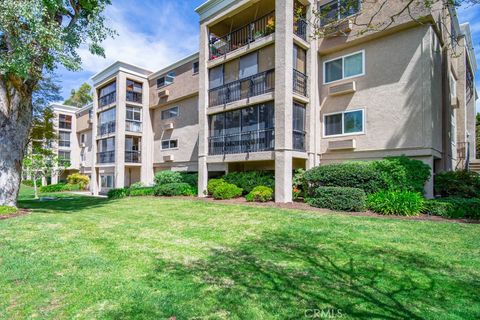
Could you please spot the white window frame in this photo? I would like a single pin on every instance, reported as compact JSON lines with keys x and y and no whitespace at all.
{"x":343,"y":124}
{"x":133,"y":110}
{"x":170,"y":75}
{"x":178,"y":113}
{"x":106,"y":176}
{"x":169,"y":143}
{"x":343,"y":67}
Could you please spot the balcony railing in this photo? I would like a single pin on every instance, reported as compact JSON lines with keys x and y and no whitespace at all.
{"x":133,"y":126}
{"x":106,"y":128}
{"x":133,"y":157}
{"x":253,"y":141}
{"x":106,"y":157}
{"x":299,"y":140}
{"x":242,"y":36}
{"x":300,"y":83}
{"x":300,"y":28}
{"x":107,"y":99}
{"x":134,"y":97}
{"x":242,"y":89}
{"x":65,"y":125}
{"x":64,"y":144}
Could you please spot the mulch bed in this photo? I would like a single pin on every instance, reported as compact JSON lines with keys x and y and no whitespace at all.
{"x":19,"y":213}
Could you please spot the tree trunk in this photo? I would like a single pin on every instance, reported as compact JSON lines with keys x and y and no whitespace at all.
{"x":35,"y":189}
{"x":15,"y":121}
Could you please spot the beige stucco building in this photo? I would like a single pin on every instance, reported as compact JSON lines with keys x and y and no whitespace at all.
{"x":265,"y":93}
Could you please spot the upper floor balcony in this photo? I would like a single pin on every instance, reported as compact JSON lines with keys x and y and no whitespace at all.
{"x":300,"y":83}
{"x":106,"y":157}
{"x":134,"y":91}
{"x":107,"y":99}
{"x":106,"y":128}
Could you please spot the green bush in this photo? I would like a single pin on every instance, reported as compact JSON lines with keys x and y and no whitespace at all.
{"x":402,"y":203}
{"x":461,"y":184}
{"x":60,"y":187}
{"x":462,"y":208}
{"x":137,"y":185}
{"x":190,"y":178}
{"x":118,"y":193}
{"x":78,"y":179}
{"x":361,"y":175}
{"x":167,"y":176}
{"x":260,"y":194}
{"x":29,"y":183}
{"x":142,"y":192}
{"x":437,"y":208}
{"x":175,"y":189}
{"x":213,"y":185}
{"x":4,"y":210}
{"x":227,"y":191}
{"x":338,"y":198}
{"x":250,"y":179}
{"x":299,"y":184}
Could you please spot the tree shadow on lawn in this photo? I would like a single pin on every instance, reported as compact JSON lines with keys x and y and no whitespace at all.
{"x":286,"y":277}
{"x":64,"y":203}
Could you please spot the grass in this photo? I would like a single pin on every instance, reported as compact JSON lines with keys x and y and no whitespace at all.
{"x":148,"y":258}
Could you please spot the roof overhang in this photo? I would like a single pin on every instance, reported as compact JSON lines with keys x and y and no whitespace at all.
{"x":117,"y":67}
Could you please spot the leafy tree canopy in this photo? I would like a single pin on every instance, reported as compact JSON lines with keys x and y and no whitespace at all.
{"x":80,"y":97}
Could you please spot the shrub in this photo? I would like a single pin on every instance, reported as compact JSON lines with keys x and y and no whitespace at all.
{"x":137,"y":185}
{"x":190,"y":178}
{"x":175,"y":189}
{"x":167,"y":176}
{"x":4,"y":210}
{"x":260,"y":194}
{"x":462,"y":208}
{"x":361,"y":175}
{"x":60,"y":187}
{"x":213,"y":185}
{"x":461,"y":184}
{"x":338,"y":198}
{"x":250,"y":179}
{"x":29,"y":183}
{"x":299,"y":184}
{"x":81,"y":180}
{"x":227,"y":191}
{"x":437,"y":208}
{"x":402,"y":203}
{"x":118,"y":193}
{"x":142,"y":192}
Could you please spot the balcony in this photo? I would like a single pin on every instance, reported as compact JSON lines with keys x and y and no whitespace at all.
{"x":253,"y":141}
{"x":300,"y":83}
{"x":260,"y":28}
{"x":255,"y":85}
{"x":106,"y":128}
{"x":107,"y":99}
{"x":133,"y":126}
{"x":65,"y":125}
{"x":300,"y":28}
{"x":299,"y":140}
{"x":133,"y":157}
{"x":106,"y":157}
{"x":134,"y":97}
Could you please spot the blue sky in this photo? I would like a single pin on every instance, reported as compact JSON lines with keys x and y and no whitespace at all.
{"x":156,"y":33}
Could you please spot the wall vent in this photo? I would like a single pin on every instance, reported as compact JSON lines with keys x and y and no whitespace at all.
{"x":168,"y":126}
{"x":343,"y":88}
{"x":163,"y":94}
{"x":168,"y":158}
{"x":342,"y":144}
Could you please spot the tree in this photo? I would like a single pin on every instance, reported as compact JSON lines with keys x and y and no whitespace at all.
{"x":36,"y":36}
{"x":80,"y":97}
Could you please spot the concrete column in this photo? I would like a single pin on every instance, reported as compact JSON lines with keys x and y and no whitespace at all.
{"x":283,"y":100}
{"x":202,"y":113}
{"x":54,"y":178}
{"x":120,"y":131}
{"x":146,"y":173}
{"x":429,"y":187}
{"x":93,"y":176}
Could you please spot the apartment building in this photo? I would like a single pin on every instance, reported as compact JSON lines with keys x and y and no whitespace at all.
{"x":263,"y":93}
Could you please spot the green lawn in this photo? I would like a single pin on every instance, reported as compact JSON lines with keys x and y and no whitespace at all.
{"x":149,"y":258}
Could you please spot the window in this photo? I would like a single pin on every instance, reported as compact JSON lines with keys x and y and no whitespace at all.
{"x":345,"y":67}
{"x":83,"y":156}
{"x":248,"y":65}
{"x":453,"y":86}
{"x":107,"y":94}
{"x":106,"y":145}
{"x":90,"y":114}
{"x":64,"y":139}
{"x":298,"y":118}
{"x":108,"y":89}
{"x":107,"y":181}
{"x":196,"y":67}
{"x":338,"y":10}
{"x":134,"y":114}
{"x":169,"y":144}
{"x":166,"y":80}
{"x":107,"y":116}
{"x":344,"y":123}
{"x":299,"y":59}
{"x":170,"y":113}
{"x":65,"y":122}
{"x":82,"y":138}
{"x":134,"y":91}
{"x":64,"y":158}
{"x":216,"y":77}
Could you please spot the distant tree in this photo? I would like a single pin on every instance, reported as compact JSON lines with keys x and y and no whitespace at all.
{"x":80,"y":97}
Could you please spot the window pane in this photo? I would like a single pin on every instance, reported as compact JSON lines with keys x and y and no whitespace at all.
{"x":160,"y":82}
{"x":216,"y":77}
{"x":248,"y":65}
{"x":299,"y":59}
{"x":333,"y":70}
{"x":298,"y":117}
{"x":353,"y":122}
{"x":107,"y":116}
{"x":249,"y":119}
{"x":217,"y":124}
{"x":348,"y":8}
{"x":329,"y":13}
{"x":266,"y":117}
{"x":232,"y":122}
{"x":333,"y":124}
{"x":173,"y":144}
{"x":353,"y":65}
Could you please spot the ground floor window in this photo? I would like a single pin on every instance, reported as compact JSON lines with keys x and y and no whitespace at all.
{"x":107,"y":181}
{"x":344,"y":123}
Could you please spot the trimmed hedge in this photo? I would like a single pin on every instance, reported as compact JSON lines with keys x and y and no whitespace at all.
{"x":142,"y":192}
{"x":60,"y":187}
{"x":167,"y":176}
{"x":250,"y":179}
{"x":175,"y":189}
{"x":118,"y":193}
{"x":460,"y":208}
{"x":402,"y":203}
{"x":213,"y":184}
{"x":338,"y":198}
{"x":260,"y":194}
{"x":461,"y":184}
{"x":437,"y":208}
{"x":137,"y":185}
{"x":227,"y":191}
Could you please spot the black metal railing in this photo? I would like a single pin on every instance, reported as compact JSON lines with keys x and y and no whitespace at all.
{"x":106,"y":157}
{"x":65,"y":125}
{"x":300,"y":28}
{"x":299,"y":140}
{"x":242,"y":89}
{"x":300,"y":82}
{"x":133,"y":157}
{"x":107,"y":99}
{"x":133,"y":126}
{"x":134,"y":97}
{"x":242,"y":36}
{"x":253,"y":141}
{"x":106,"y":128}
